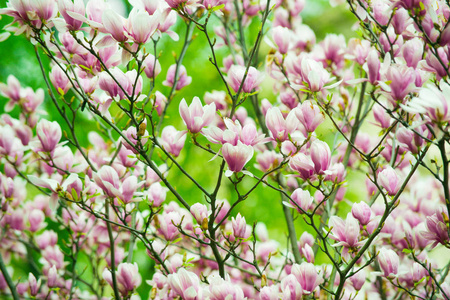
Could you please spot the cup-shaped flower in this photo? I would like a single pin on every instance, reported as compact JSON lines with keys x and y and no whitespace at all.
{"x":236,"y":156}
{"x":59,"y":80}
{"x":346,"y":233}
{"x":282,"y":37}
{"x":291,"y":288}
{"x":156,"y":194}
{"x":321,"y":156}
{"x":128,"y":278}
{"x":301,"y":200}
{"x":309,"y":115}
{"x":389,"y":262}
{"x":185,"y":284}
{"x":76,"y":6}
{"x":196,"y":116}
{"x":389,"y":180}
{"x":173,"y":140}
{"x":307,"y":276}
{"x":114,"y":24}
{"x":52,"y":277}
{"x":49,"y":134}
{"x":141,"y":26}
{"x":108,"y":180}
{"x":358,"y":280}
{"x":152,"y":66}
{"x":303,"y":165}
{"x":182,"y":78}
{"x":240,"y":227}
{"x":220,"y":288}
{"x":236,"y":75}
{"x":436,"y":229}
{"x":200,"y":212}
{"x":362,"y":212}
{"x":279,"y":127}
{"x":433,"y":103}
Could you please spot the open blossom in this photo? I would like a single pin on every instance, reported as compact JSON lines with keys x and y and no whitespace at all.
{"x":185,"y":284}
{"x":346,"y":233}
{"x":77,"y":6}
{"x":196,"y":116}
{"x":307,"y":276}
{"x":436,"y":229}
{"x":128,"y":278}
{"x":432,"y":102}
{"x":236,"y":156}
{"x":313,"y":77}
{"x":236,"y":74}
{"x":141,"y":26}
{"x":309,"y":115}
{"x":248,"y":134}
{"x":302,"y":199}
{"x":279,"y":127}
{"x":303,"y":165}
{"x":49,"y":134}
{"x":173,"y":140}
{"x":181,"y":77}
{"x":59,"y":80}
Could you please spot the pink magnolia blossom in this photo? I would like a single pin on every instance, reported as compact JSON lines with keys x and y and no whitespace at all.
{"x":437,"y":231}
{"x":185,"y":284}
{"x":346,"y":233}
{"x":114,"y":24}
{"x":173,"y":140}
{"x":282,"y":37}
{"x":240,"y":229}
{"x":236,"y":156}
{"x":220,"y":288}
{"x":152,"y":66}
{"x":279,"y":127}
{"x":157,"y":194}
{"x":182,"y":78}
{"x":128,"y":278}
{"x":291,"y":288}
{"x":67,"y":6}
{"x":302,"y":199}
{"x":108,"y":180}
{"x":141,"y":26}
{"x":200,"y":212}
{"x":433,"y":103}
{"x":196,"y":116}
{"x":320,"y":156}
{"x":236,"y":75}
{"x":307,"y":276}
{"x":59,"y":80}
{"x":303,"y":165}
{"x":362,"y":212}
{"x":389,"y":180}
{"x":389,"y":262}
{"x":309,"y":115}
{"x":49,"y":134}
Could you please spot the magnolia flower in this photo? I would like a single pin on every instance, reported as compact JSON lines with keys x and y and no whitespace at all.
{"x":389,"y":262}
{"x":432,"y":102}
{"x":236,"y":74}
{"x":279,"y":127}
{"x":389,"y":179}
{"x":196,"y":116}
{"x":236,"y":156}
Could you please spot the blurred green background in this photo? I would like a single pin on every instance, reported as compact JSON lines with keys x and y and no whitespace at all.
{"x":18,"y":58}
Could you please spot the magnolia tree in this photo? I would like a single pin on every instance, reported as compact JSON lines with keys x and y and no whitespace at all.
{"x":381,"y":103}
